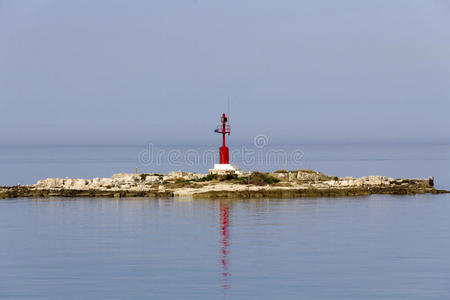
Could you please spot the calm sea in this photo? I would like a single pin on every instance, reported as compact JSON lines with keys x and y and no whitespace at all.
{"x":377,"y":247}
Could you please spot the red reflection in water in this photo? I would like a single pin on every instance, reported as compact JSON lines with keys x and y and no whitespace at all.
{"x":224,"y":242}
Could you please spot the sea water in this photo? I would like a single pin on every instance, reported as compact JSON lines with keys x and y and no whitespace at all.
{"x":375,"y":247}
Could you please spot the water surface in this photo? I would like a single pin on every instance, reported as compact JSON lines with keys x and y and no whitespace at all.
{"x":376,"y":247}
{"x":347,"y":248}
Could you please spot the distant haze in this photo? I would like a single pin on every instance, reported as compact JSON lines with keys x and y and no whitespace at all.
{"x":132,"y":72}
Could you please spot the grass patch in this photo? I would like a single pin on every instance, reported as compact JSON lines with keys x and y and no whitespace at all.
{"x":228,"y":177}
{"x":306,"y":171}
{"x":208,"y":177}
{"x":258,"y":178}
{"x":143,"y":176}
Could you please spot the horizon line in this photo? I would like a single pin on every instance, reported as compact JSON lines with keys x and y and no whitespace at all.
{"x":355,"y":142}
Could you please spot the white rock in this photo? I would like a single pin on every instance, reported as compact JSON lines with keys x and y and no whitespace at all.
{"x":51,"y":183}
{"x":175,"y":174}
{"x":292,"y":176}
{"x":151,"y":179}
{"x":79,"y":183}
{"x":281,"y":176}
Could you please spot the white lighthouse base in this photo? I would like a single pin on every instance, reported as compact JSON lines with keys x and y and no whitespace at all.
{"x":224,"y":169}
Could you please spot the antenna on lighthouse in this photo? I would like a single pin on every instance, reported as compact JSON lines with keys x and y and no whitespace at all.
{"x":228,"y":108}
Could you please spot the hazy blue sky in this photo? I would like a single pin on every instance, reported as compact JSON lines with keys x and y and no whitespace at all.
{"x":123,"y":72}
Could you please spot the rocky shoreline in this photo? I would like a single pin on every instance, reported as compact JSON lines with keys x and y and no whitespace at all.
{"x":279,"y":184}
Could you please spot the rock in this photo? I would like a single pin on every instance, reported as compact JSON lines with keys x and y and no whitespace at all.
{"x":96,"y":182}
{"x":50,"y":183}
{"x":41,"y":183}
{"x":106,"y":182}
{"x":152,"y":179}
{"x":280,"y":176}
{"x":308,"y":175}
{"x":302,"y":182}
{"x":197,"y":175}
{"x":75,"y":183}
{"x":184,"y":175}
{"x":292,"y":176}
{"x":175,"y":175}
{"x":79,"y":183}
{"x":125,"y":177}
{"x":375,"y":180}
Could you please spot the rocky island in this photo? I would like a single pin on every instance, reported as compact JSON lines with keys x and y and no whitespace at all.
{"x":222,"y":184}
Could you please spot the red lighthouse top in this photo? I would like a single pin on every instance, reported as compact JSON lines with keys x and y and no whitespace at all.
{"x":223,"y":129}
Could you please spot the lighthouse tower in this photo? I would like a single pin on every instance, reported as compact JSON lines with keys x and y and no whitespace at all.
{"x":224,"y":166}
{"x":223,"y":129}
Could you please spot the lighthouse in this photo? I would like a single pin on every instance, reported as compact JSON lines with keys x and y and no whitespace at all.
{"x":224,"y":166}
{"x":224,"y":129}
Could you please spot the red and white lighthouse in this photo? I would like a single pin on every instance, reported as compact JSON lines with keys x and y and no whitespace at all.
{"x":224,"y":129}
{"x":224,"y":165}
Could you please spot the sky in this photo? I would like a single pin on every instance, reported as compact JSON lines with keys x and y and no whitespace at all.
{"x":132,"y":72}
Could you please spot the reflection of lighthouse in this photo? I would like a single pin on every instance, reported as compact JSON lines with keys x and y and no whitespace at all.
{"x":224,"y":243}
{"x":224,"y":165}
